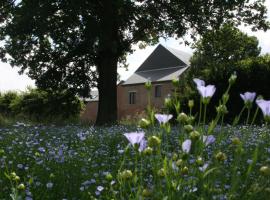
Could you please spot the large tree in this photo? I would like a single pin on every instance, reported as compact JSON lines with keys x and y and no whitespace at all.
{"x":220,"y":53}
{"x":61,"y":42}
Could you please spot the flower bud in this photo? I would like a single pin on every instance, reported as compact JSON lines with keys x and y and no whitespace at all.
{"x":144,"y":123}
{"x":199,"y":161}
{"x":126,"y":174}
{"x":191,"y":103}
{"x":154,"y":141}
{"x":37,"y":154}
{"x":17,"y":178}
{"x":225,"y":97}
{"x":265,"y":170}
{"x":161,"y":172}
{"x":148,"y":85}
{"x":146,"y":192}
{"x":13,"y":175}
{"x":148,"y":151}
{"x":236,"y":141}
{"x":194,"y":135}
{"x":174,"y":185}
{"x":188,"y":128}
{"x":2,"y":152}
{"x":168,"y":102}
{"x":190,"y":120}
{"x":21,"y":186}
{"x":221,"y":156}
{"x":52,"y":175}
{"x":179,"y":162}
{"x":232,"y":79}
{"x":184,"y":170}
{"x":109,"y":177}
{"x":182,"y":117}
{"x":174,"y":157}
{"x":222,"y":109}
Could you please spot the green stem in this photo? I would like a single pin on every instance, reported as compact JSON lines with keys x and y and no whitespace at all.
{"x":200,"y":115}
{"x":204,"y":115}
{"x":248,"y":116}
{"x":236,"y":120}
{"x":255,"y":115}
{"x":222,"y":120}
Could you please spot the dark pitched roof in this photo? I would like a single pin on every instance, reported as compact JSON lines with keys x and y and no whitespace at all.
{"x":157,"y":75}
{"x":163,"y":64}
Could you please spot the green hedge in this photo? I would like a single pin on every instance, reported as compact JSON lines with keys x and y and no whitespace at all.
{"x":40,"y":106}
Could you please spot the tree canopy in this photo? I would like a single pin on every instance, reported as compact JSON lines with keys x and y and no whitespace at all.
{"x":220,"y":53}
{"x":78,"y":44}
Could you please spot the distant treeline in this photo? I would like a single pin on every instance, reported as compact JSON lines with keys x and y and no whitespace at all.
{"x":37,"y":105}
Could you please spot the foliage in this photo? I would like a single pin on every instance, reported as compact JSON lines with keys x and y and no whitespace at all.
{"x":221,"y":53}
{"x":41,"y":106}
{"x":61,"y":43}
{"x":6,"y":101}
{"x":218,"y":51}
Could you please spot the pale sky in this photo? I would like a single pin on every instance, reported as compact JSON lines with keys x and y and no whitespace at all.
{"x":11,"y":80}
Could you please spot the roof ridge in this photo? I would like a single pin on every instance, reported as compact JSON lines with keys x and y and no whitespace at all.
{"x":159,"y":69}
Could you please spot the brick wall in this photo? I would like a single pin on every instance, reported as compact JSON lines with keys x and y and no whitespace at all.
{"x":89,"y":114}
{"x":127,"y":110}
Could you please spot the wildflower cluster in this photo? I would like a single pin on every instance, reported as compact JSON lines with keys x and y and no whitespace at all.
{"x":155,"y":160}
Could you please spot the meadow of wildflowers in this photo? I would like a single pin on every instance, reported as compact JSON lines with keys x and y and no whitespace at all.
{"x":190,"y":159}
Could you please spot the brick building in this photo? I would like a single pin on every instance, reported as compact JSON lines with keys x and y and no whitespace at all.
{"x":161,"y":67}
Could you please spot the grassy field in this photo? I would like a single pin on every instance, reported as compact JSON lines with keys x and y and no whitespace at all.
{"x":73,"y":162}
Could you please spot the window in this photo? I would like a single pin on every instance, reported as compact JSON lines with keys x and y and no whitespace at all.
{"x":132,"y":97}
{"x":158,"y":91}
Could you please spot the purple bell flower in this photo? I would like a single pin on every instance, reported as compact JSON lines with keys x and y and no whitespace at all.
{"x":264,"y":106}
{"x":248,"y":96}
{"x":209,"y":139}
{"x":199,"y":82}
{"x":163,"y":118}
{"x":205,"y":91}
{"x":137,"y":138}
{"x":186,"y":146}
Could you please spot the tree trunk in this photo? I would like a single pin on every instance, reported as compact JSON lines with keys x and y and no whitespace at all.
{"x":107,"y":88}
{"x":107,"y":60}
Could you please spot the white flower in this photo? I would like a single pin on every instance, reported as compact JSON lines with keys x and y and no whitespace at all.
{"x":100,"y":188}
{"x":199,"y":82}
{"x":186,"y":145}
{"x":264,"y":106}
{"x":206,"y":91}
{"x":248,"y":96}
{"x":209,"y":139}
{"x":163,"y":118}
{"x":137,"y":138}
{"x":49,"y":185}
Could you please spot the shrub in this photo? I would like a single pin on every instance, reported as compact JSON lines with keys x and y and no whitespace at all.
{"x":41,"y":106}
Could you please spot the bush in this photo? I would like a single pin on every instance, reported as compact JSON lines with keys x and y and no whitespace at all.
{"x":6,"y":102}
{"x":41,"y":106}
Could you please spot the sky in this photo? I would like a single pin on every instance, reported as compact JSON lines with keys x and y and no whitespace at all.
{"x":11,"y":80}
